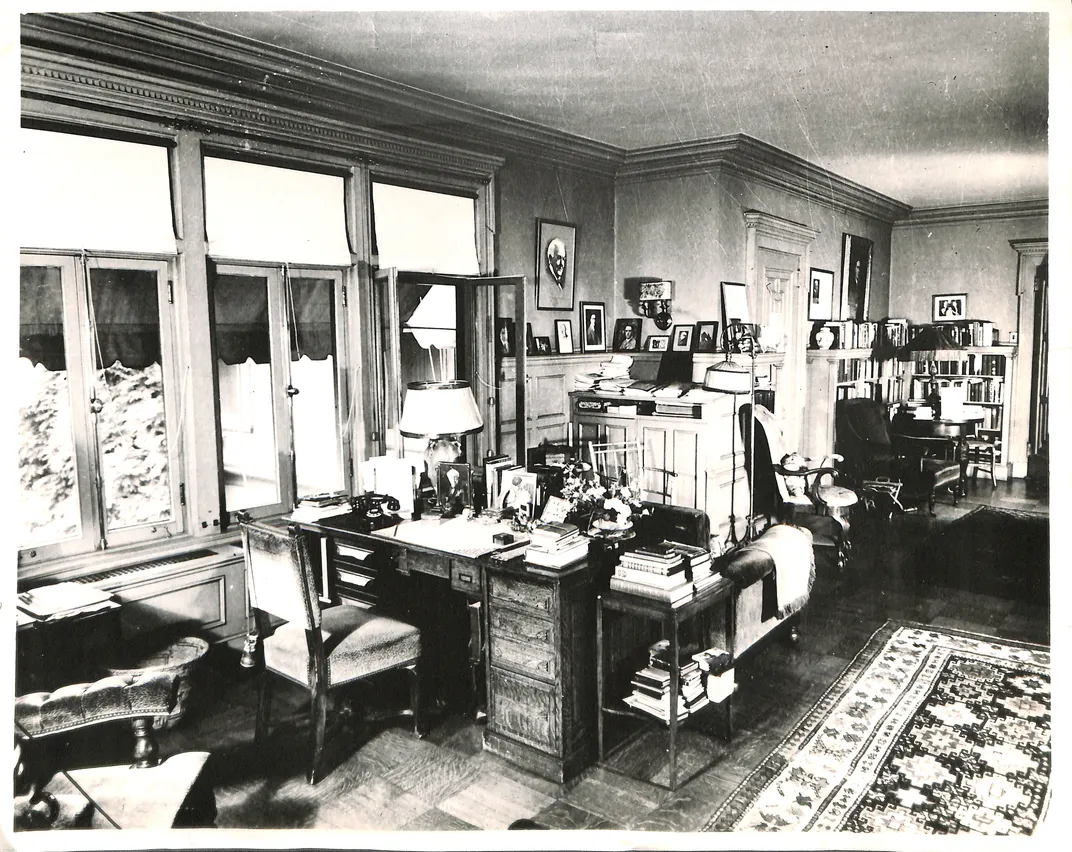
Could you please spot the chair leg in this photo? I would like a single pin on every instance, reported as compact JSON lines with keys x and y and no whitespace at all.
{"x":264,"y":707}
{"x":415,"y":698}
{"x":318,"y":720}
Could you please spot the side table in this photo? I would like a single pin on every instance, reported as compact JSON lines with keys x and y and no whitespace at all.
{"x":695,"y":612}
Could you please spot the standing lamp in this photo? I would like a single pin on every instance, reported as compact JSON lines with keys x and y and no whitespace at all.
{"x":727,"y":376}
{"x":441,"y":412}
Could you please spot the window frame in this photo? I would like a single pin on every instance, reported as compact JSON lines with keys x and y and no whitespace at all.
{"x":279,"y":330}
{"x":76,"y":281}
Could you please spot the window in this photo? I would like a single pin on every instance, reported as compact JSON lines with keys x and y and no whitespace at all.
{"x":282,"y":417}
{"x":99,"y":456}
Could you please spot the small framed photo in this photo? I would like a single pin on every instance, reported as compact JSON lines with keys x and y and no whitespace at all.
{"x":627,"y":335}
{"x":949,"y":307}
{"x":505,"y":337}
{"x":455,"y":487}
{"x":543,"y":345}
{"x":564,"y":336}
{"x":594,"y":325}
{"x":556,"y":259}
{"x":658,"y":342}
{"x":820,"y":294}
{"x":734,"y":303}
{"x":706,"y":336}
{"x":681,"y":338}
{"x":518,"y":490}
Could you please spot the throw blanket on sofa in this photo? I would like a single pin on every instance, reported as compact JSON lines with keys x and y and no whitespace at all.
{"x":786,"y":549}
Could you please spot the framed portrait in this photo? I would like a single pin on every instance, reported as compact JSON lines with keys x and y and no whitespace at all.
{"x":505,"y":337}
{"x":949,"y":307}
{"x":518,"y":490}
{"x":734,"y":303}
{"x":658,"y":343}
{"x":593,"y":327}
{"x":820,"y":294}
{"x":706,"y":336}
{"x":681,"y":338}
{"x":564,"y":336}
{"x":455,"y":486}
{"x":543,"y":345}
{"x":627,"y":335}
{"x":855,"y":277}
{"x":556,"y":258}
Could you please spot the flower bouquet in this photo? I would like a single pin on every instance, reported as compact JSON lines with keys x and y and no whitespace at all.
{"x":604,"y":510}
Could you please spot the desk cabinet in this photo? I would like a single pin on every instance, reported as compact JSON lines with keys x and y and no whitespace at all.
{"x":541,"y":666}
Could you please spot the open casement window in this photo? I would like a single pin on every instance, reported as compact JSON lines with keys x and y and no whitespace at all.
{"x":100,"y":407}
{"x":277,"y":340}
{"x":440,"y":328}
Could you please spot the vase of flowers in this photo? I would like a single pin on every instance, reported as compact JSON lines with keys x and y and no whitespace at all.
{"x":600,"y":509}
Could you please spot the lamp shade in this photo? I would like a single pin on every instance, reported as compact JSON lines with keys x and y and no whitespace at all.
{"x":931,"y":340}
{"x":728,"y":377}
{"x":432,"y":409}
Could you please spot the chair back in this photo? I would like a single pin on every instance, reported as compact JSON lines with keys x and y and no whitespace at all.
{"x":278,"y":574}
{"x":861,"y":434}
{"x":768,"y":490}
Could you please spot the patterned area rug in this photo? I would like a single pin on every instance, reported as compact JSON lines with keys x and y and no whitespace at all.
{"x":928,"y":730}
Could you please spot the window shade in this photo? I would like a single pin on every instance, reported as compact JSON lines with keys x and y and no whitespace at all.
{"x":80,"y":192}
{"x":267,"y":213}
{"x":424,"y":231}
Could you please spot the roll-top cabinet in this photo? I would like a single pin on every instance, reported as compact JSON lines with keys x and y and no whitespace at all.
{"x":541,"y":668}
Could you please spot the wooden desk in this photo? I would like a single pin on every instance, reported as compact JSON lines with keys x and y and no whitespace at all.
{"x":955,"y":430}
{"x":537,"y":630}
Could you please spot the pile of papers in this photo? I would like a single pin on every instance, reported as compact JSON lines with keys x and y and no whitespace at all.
{"x":62,"y":600}
{"x":613,"y":376}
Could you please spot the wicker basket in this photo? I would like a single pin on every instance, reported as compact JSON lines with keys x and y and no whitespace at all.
{"x":179,"y":657}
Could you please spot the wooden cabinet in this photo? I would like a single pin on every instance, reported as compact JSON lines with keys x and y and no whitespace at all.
{"x":541,"y":668}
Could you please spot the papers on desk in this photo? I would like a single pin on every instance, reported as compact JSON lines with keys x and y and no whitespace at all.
{"x":63,"y":600}
{"x":460,"y":536}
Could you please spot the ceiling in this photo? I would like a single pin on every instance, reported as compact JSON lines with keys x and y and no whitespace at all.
{"x":931,"y":109}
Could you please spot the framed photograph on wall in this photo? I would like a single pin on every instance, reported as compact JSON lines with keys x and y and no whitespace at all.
{"x":658,"y":342}
{"x":734,"y":303}
{"x":949,"y":307}
{"x":556,"y":257}
{"x":855,"y":277}
{"x":627,"y":335}
{"x":820,"y":294}
{"x":504,"y":334}
{"x":706,"y":336}
{"x":593,"y":327}
{"x":681,"y":338}
{"x":564,"y":336}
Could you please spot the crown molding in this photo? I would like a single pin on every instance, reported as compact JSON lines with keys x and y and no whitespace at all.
{"x":742,"y":155}
{"x":995,"y":210}
{"x":200,"y":63}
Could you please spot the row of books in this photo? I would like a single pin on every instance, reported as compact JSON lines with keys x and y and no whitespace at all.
{"x":965,"y":332}
{"x":857,"y":369}
{"x":849,"y":334}
{"x":895,"y":333}
{"x":669,"y":571}
{"x":971,"y":364}
{"x":555,"y":544}
{"x":651,"y":684}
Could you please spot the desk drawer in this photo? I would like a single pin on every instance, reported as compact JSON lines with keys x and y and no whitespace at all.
{"x":522,"y":593}
{"x":526,"y":657}
{"x":465,"y":577}
{"x":522,"y":627}
{"x":424,"y":563}
{"x":523,"y":709}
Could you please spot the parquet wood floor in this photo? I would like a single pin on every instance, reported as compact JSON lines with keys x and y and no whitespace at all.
{"x":385,"y":779}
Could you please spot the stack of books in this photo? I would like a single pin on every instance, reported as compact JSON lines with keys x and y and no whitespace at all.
{"x":716,"y":667}
{"x":651,"y":685}
{"x":657,"y":571}
{"x":697,"y":559}
{"x":555,"y":545}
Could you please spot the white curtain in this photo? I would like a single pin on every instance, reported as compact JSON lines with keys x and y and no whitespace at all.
{"x":424,"y":231}
{"x":81,"y":192}
{"x":267,"y":213}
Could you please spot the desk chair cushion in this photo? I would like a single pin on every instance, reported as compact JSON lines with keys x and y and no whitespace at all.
{"x":357,"y":643}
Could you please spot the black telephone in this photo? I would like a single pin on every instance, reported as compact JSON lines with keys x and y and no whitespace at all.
{"x":371,"y":508}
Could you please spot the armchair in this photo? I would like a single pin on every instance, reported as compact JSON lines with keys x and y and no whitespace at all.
{"x":862,"y":435}
{"x":149,"y":793}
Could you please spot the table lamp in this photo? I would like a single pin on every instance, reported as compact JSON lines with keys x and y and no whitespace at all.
{"x":441,"y":412}
{"x":727,"y":376}
{"x":929,"y":345}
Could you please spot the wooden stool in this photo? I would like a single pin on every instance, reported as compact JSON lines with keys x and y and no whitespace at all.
{"x":982,"y":455}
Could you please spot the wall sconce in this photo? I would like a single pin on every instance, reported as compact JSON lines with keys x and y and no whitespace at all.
{"x":655,"y":300}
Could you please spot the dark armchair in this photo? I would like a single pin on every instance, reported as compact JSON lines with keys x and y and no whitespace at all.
{"x":873,"y":453}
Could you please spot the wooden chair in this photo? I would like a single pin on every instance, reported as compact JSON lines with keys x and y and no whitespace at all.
{"x":54,"y":789}
{"x":318,"y":649}
{"x":982,"y":455}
